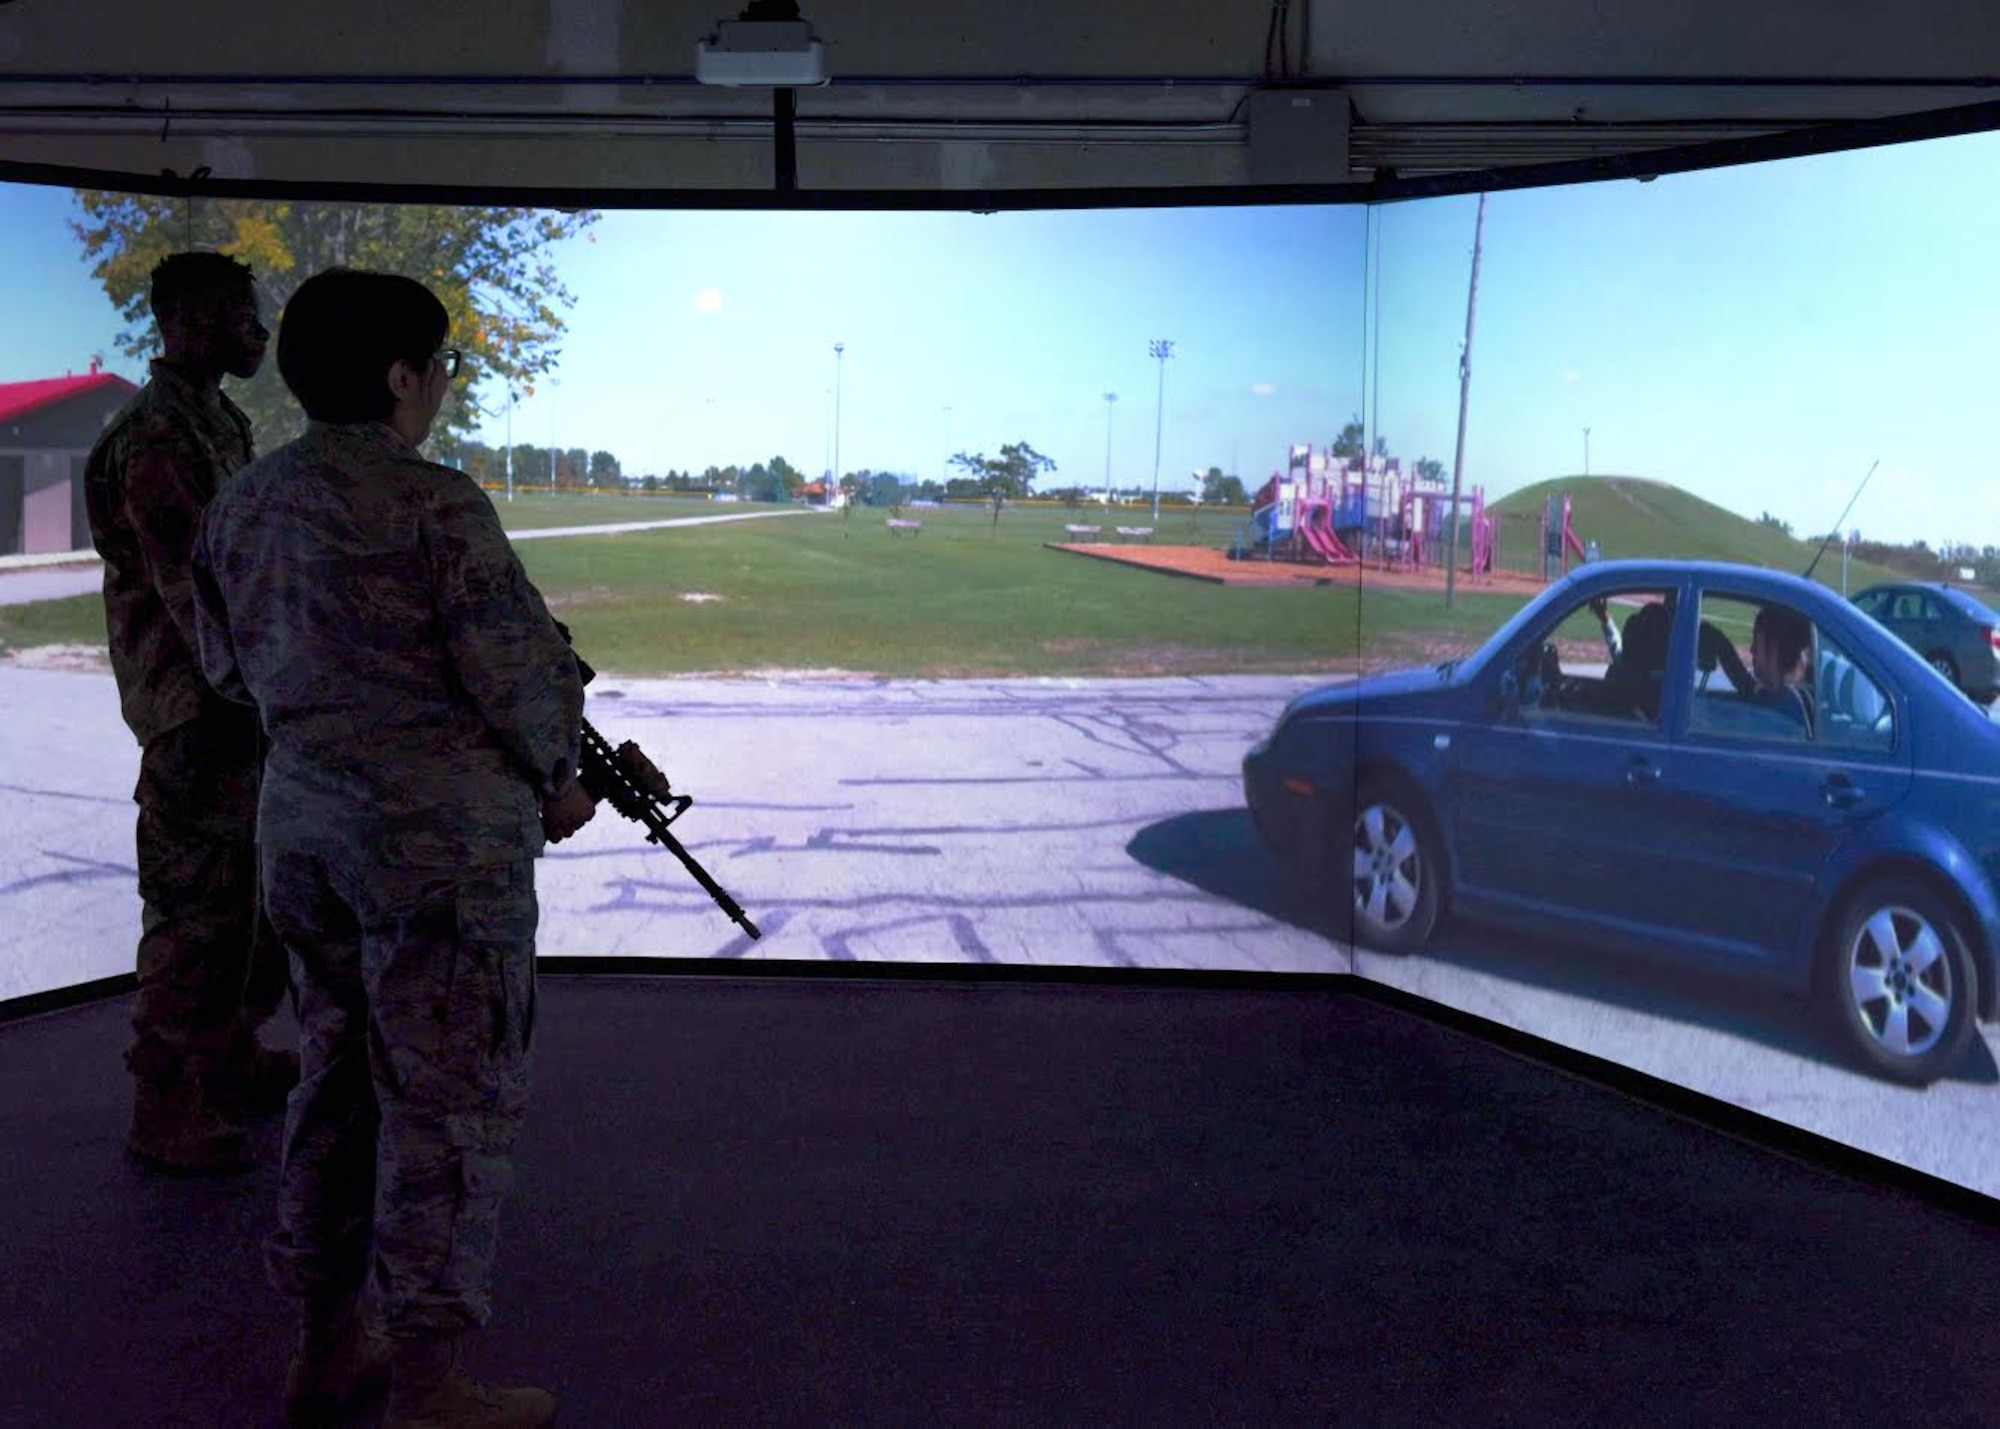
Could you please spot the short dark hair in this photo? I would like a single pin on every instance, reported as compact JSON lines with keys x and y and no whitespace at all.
{"x":182,"y":278}
{"x":344,"y":329}
{"x":1788,"y":631}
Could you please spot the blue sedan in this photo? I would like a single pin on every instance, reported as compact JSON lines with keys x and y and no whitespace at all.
{"x":1719,"y":764}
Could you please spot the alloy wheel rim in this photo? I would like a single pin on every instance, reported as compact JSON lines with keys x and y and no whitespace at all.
{"x":1388,"y":872}
{"x":1899,"y":979}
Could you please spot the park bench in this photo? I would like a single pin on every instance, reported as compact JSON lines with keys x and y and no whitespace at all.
{"x":895,"y":526}
{"x":1136,"y":533}
{"x":1083,"y":530}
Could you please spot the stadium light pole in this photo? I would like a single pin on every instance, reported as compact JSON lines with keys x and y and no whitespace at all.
{"x":1586,"y":451}
{"x":1110,"y":398}
{"x":1160,"y":348}
{"x":944,"y":469}
{"x":509,"y":456}
{"x":833,"y":478}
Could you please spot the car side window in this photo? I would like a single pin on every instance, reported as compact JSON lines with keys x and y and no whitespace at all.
{"x":1907,"y":606}
{"x":1854,"y":711}
{"x":1871,"y":603}
{"x":1601,"y":661}
{"x":1754,"y":674}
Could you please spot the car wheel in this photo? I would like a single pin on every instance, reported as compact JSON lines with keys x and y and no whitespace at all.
{"x":1945,"y":666}
{"x":1392,"y":871}
{"x":1898,"y":982}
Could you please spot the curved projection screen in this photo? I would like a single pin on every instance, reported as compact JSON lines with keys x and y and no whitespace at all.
{"x":920,"y":723}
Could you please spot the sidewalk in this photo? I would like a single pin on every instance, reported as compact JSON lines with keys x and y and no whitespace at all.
{"x":29,"y":578}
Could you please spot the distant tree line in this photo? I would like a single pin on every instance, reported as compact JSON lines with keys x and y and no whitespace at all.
{"x":1918,"y":560}
{"x":1009,"y":476}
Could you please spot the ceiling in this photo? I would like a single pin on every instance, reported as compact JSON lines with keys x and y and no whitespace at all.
{"x":1000,"y":104}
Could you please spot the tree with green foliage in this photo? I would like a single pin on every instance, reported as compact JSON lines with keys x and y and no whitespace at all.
{"x":788,"y":478}
{"x":492,"y":268}
{"x":1009,"y":476}
{"x":605,"y":470}
{"x":1429,"y":469}
{"x":531,"y":465}
{"x":1347,"y":446}
{"x":1220,"y":490}
{"x":885,"y":488}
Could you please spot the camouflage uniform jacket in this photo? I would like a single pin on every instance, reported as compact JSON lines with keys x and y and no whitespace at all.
{"x":419,"y":700}
{"x":149,"y":477}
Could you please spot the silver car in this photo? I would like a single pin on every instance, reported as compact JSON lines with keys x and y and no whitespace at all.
{"x":1956,"y":633}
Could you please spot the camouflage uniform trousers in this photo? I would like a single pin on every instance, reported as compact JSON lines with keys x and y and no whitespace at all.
{"x":417,"y":1008}
{"x":211,"y":971}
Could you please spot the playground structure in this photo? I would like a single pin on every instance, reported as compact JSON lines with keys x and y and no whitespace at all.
{"x":1329,"y":511}
{"x":1324,"y":510}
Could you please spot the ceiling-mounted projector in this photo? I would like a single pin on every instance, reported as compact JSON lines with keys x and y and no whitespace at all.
{"x":781,"y":54}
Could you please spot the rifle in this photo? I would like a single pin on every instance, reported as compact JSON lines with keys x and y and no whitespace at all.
{"x":633,"y":785}
{"x":630,"y":782}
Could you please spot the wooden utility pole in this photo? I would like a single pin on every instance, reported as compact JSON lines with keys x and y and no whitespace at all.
{"x":1464,"y":387}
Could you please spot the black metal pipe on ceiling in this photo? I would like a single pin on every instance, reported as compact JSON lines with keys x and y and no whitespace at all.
{"x":1488,"y":81}
{"x":1386,"y":186}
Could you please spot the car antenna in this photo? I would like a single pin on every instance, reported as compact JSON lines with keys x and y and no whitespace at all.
{"x":1842,"y":521}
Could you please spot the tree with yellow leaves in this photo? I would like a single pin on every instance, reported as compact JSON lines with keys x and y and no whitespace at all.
{"x":493,"y":268}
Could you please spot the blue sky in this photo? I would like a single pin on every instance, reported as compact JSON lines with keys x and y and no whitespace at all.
{"x":1758,"y":335}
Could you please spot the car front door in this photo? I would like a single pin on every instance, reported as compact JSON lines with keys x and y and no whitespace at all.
{"x":1547,"y":798}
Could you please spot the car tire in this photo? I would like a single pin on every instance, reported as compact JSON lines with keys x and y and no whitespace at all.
{"x":1898,"y":987}
{"x":1945,"y":666}
{"x":1387,"y":871}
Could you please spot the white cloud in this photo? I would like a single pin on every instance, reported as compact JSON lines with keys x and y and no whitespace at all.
{"x":1262,"y":389}
{"x":708,"y":300}
{"x":1570,"y":374}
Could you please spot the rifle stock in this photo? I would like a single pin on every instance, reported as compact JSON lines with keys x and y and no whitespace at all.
{"x":605,"y":778}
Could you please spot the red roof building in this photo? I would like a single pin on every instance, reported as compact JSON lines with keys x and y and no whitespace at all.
{"x":47,"y":428}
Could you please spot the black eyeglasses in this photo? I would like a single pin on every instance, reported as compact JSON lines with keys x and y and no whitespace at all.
{"x":452,"y":359}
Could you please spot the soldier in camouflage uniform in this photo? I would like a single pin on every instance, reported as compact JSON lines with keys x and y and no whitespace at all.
{"x":209,"y":971}
{"x":424,"y":715}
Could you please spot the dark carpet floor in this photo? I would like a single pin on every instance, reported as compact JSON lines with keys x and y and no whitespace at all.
{"x":795,"y":1201}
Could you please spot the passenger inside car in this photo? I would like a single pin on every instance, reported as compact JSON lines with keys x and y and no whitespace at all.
{"x":1780,"y":640}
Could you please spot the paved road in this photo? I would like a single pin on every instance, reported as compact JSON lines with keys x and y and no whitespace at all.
{"x":1079,"y":822}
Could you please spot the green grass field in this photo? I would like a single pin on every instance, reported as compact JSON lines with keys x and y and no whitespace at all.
{"x":1630,"y":516}
{"x":966,"y":597}
{"x":963,"y":597}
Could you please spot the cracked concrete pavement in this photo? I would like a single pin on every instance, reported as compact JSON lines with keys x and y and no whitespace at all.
{"x":1042,"y":822}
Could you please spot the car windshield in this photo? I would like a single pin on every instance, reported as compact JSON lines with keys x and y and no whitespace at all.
{"x":1470,"y":665}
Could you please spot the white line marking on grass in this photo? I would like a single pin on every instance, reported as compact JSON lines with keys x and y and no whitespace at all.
{"x":615,"y":529}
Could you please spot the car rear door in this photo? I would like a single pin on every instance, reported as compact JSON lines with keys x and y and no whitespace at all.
{"x":1757,"y":807}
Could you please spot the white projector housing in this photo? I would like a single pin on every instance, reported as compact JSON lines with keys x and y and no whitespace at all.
{"x":780,"y":54}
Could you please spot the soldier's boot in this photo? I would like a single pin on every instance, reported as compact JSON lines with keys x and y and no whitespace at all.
{"x":339,"y":1363}
{"x":428,"y":1390}
{"x":254,"y":1080}
{"x":176,"y":1128}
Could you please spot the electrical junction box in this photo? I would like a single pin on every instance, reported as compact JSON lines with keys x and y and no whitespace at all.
{"x":1297,"y":136}
{"x":780,"y":54}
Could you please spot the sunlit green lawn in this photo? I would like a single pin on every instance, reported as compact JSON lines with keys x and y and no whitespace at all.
{"x":806,"y":590}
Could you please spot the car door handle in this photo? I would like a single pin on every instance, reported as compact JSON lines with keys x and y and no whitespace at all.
{"x":1841,"y":792}
{"x":1641,"y":773}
